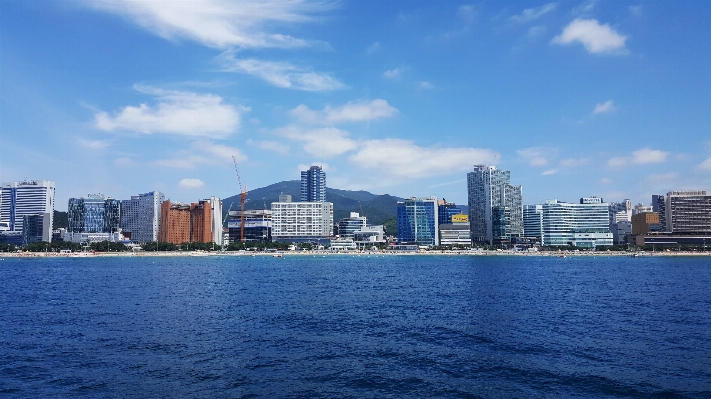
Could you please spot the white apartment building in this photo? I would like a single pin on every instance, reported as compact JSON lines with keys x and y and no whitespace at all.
{"x":28,"y":198}
{"x":301,"y":221}
{"x":217,"y":233}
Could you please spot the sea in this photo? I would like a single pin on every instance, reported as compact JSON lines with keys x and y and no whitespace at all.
{"x":346,"y":326}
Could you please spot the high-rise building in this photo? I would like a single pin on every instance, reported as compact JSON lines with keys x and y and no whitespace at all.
{"x":93,"y":214}
{"x":490,"y":188}
{"x":28,"y":198}
{"x":140,"y":216}
{"x":181,"y":223}
{"x":313,"y":185}
{"x":348,"y":226}
{"x":418,"y":221}
{"x":688,"y":212}
{"x":532,"y":221}
{"x":620,"y":211}
{"x":659,"y":206}
{"x":584,"y":225}
{"x":302,"y":222}
{"x":216,"y":226}
{"x":445,"y":211}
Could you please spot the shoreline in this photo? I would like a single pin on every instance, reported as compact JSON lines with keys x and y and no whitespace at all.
{"x":280,"y":254}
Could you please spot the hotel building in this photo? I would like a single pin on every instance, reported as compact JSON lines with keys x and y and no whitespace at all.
{"x":584,"y":225}
{"x":302,"y":222}
{"x":140,"y":216}
{"x":28,"y":198}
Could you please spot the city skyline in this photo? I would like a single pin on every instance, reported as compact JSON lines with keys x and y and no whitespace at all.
{"x":403,"y":98}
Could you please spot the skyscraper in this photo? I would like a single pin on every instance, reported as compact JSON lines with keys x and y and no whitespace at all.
{"x":495,"y":205}
{"x":313,"y":185}
{"x":28,"y":198}
{"x":418,"y":221}
{"x":140,"y":216}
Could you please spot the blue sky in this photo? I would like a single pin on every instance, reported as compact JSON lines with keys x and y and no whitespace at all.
{"x":120,"y":97}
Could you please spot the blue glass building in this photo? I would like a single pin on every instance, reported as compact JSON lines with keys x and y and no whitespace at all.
{"x":313,"y":185}
{"x":94,"y":214}
{"x":417,"y":221}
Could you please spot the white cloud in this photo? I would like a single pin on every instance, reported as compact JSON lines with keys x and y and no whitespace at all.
{"x":275,"y":146}
{"x":531,"y":14}
{"x":203,"y":153}
{"x":640,"y":157}
{"x":355,"y":111}
{"x":549,"y":172}
{"x":603,"y":108}
{"x":324,"y":142}
{"x":95,"y":145}
{"x":647,"y":155}
{"x":606,"y":181}
{"x":534,"y":156}
{"x":191,"y":183}
{"x":705,"y":165}
{"x":218,"y":23}
{"x":280,"y":74}
{"x":595,"y":37}
{"x":426,"y":85}
{"x":393,"y":73}
{"x":403,"y":159}
{"x":466,"y":14}
{"x":177,"y":112}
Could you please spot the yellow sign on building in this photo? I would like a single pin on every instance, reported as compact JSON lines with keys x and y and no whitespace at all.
{"x":461,"y":218}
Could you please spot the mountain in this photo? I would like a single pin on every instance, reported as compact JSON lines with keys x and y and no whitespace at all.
{"x":378,"y":208}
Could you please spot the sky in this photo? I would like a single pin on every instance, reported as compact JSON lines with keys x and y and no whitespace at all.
{"x":582,"y":98}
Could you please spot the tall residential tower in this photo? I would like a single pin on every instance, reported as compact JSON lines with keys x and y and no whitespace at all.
{"x":313,"y":185}
{"x":495,"y":206}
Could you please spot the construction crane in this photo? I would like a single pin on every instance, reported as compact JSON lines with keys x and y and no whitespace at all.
{"x":242,"y":197}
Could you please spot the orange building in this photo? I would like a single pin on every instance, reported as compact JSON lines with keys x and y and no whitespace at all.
{"x":642,"y":222}
{"x":181,"y":223}
{"x":201,"y":222}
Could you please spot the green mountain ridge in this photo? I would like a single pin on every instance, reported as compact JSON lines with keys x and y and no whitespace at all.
{"x":379,"y":209}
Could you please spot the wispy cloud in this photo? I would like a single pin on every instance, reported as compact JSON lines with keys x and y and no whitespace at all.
{"x":549,"y":172}
{"x":191,"y":183}
{"x":177,"y":112}
{"x":279,"y":74}
{"x":203,"y":153}
{"x":354,"y":111}
{"x":373,"y":48}
{"x":324,"y":142}
{"x":596,"y":38}
{"x":534,"y":156}
{"x":603,"y":108}
{"x":574,"y":162}
{"x":531,"y":14}
{"x":640,"y":157}
{"x":705,"y":165}
{"x":425,"y":85}
{"x":218,"y":23}
{"x":275,"y":146}
{"x":95,"y":145}
{"x":403,"y":159}
{"x":393,"y":73}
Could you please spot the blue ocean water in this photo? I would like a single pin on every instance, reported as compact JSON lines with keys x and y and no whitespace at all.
{"x":356,"y":327}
